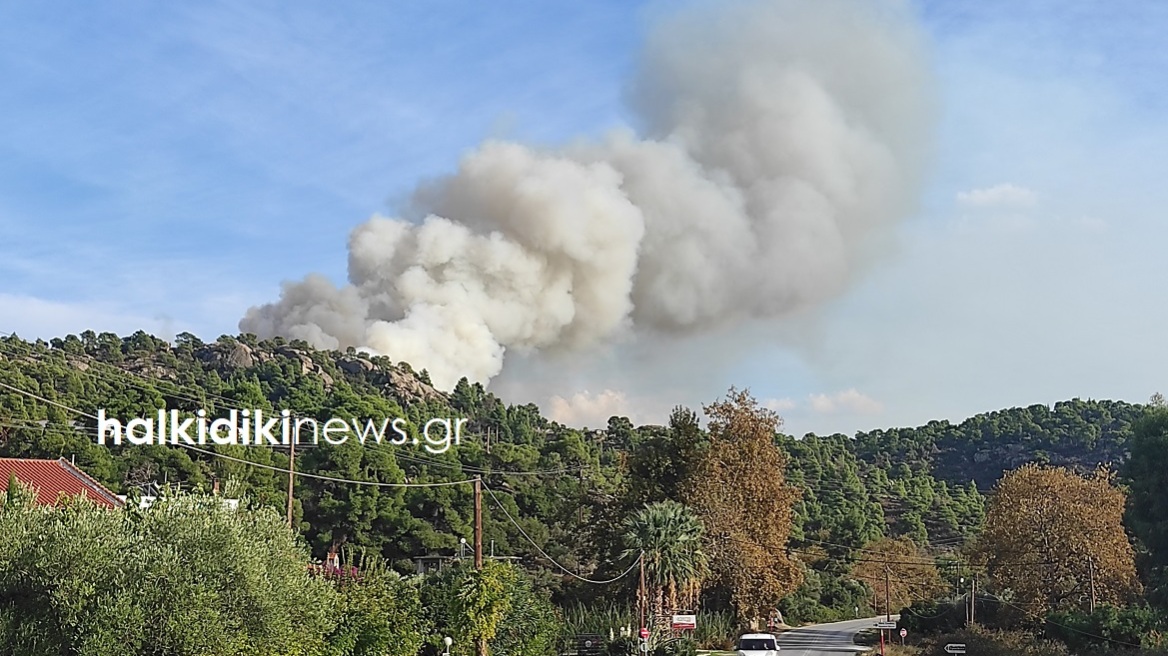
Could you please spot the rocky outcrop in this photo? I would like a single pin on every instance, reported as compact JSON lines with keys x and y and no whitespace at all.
{"x":241,"y":357}
{"x":356,"y":366}
{"x":409,"y":389}
{"x":397,"y":382}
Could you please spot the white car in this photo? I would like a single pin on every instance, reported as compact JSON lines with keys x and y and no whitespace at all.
{"x":757,"y":644}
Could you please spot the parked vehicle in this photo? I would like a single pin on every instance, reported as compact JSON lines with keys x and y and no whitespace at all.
{"x":757,"y":644}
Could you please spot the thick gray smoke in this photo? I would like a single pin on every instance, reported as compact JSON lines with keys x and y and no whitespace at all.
{"x":780,"y":139}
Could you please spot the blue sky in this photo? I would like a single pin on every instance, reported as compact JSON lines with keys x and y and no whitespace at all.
{"x":166,"y":166}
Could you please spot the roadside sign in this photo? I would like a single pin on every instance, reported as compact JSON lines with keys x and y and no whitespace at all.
{"x":685,"y":622}
{"x":886,"y":625}
{"x":903,"y":632}
{"x":644,"y":633}
{"x":955,"y":648}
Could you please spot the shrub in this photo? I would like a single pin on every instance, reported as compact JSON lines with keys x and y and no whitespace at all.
{"x":990,"y":642}
{"x":623,"y":646}
{"x":499,"y":602}
{"x":380,"y":613}
{"x":676,"y":647}
{"x":1107,"y":627}
{"x":186,"y":576}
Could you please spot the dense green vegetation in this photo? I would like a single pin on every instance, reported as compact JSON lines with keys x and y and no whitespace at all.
{"x":571,"y":492}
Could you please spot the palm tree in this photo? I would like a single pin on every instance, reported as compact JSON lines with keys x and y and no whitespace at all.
{"x":670,"y":536}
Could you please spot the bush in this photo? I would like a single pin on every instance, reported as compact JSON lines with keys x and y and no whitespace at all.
{"x":716,"y":630}
{"x":677,"y":647}
{"x":186,"y":576}
{"x":380,"y":613}
{"x":1107,"y":627}
{"x":924,"y":618}
{"x":990,"y":642}
{"x":532,"y":625}
{"x":499,"y":601}
{"x":623,"y":646}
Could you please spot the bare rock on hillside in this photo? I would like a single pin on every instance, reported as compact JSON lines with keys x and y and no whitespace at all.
{"x":410,"y":389}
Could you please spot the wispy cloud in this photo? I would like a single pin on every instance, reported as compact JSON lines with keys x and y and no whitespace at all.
{"x":1002,"y":196}
{"x":847,"y":402}
{"x":780,"y":405}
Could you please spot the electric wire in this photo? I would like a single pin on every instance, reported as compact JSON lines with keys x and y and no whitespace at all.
{"x":244,"y":461}
{"x":549,"y":558}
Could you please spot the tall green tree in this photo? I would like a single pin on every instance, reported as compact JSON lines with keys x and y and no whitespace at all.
{"x":661,"y":464}
{"x":1146,"y":474}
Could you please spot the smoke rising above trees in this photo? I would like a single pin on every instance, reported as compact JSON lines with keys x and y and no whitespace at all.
{"x":779,"y":142}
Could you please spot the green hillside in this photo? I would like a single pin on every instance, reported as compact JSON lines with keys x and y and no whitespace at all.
{"x":567,"y":489}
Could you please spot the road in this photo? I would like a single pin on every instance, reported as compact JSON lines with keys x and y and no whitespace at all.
{"x":833,"y":639}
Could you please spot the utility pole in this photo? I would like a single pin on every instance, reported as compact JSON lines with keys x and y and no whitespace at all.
{"x":973,"y":602}
{"x":480,"y":643}
{"x":478,"y":522}
{"x":960,"y":584}
{"x":1091,"y":570}
{"x":291,"y":476}
{"x":641,"y":596}
{"x":887,"y":596}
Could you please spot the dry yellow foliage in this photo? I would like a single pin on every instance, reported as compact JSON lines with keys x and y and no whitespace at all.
{"x":908,"y":570}
{"x":739,"y":491}
{"x":1047,"y":530}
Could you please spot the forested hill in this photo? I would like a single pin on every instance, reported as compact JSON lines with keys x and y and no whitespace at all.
{"x":569,"y":490}
{"x":1077,"y":434}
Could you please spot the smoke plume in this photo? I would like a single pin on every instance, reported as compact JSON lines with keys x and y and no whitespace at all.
{"x":778,"y":142}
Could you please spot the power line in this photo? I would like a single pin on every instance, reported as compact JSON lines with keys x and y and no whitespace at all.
{"x":244,"y":461}
{"x":155,"y":385}
{"x":549,"y":558}
{"x":349,"y":481}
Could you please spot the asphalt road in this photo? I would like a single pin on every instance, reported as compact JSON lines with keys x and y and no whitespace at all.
{"x":834,"y":639}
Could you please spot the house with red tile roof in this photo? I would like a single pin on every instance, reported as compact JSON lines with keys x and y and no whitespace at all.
{"x":53,"y":479}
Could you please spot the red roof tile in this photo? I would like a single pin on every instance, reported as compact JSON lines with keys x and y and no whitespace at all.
{"x":53,"y":478}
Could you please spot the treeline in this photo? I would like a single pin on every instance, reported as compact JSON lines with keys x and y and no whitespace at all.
{"x":1066,"y":562}
{"x":190,"y":575}
{"x":571,"y":492}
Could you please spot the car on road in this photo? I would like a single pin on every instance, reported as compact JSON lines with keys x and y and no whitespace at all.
{"x":757,"y":644}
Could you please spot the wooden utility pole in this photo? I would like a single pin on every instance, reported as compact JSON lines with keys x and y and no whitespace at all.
{"x":1091,"y":570}
{"x":642,"y":594}
{"x":291,"y":476}
{"x":478,"y":523}
{"x":887,"y":596}
{"x":480,"y":643}
{"x":973,"y":602}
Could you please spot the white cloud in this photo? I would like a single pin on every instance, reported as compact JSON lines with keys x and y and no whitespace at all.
{"x":780,"y":405}
{"x":585,"y":409}
{"x":849,"y":401}
{"x":999,"y":196}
